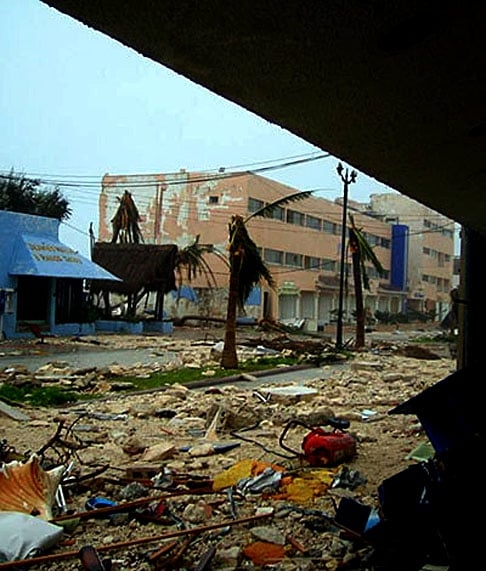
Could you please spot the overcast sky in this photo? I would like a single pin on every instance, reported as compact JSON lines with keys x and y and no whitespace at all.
{"x":75,"y":104}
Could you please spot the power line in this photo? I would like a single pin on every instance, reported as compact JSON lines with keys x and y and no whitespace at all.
{"x":221,"y":174}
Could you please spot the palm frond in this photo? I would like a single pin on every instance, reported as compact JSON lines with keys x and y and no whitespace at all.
{"x":244,"y":252}
{"x":267,"y":210}
{"x":191,"y":258}
{"x":366,"y":251}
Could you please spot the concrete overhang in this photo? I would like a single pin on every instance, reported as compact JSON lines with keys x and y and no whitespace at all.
{"x":394,"y":89}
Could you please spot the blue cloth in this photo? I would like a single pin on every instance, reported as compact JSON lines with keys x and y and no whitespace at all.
{"x":255,"y":297}
{"x":185,"y":292}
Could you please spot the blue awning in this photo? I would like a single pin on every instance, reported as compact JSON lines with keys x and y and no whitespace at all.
{"x":37,"y":255}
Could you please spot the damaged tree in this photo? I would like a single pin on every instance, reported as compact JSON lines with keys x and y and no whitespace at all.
{"x":143,"y":268}
{"x":247,"y":269}
{"x":125,"y":222}
{"x":361,"y":252}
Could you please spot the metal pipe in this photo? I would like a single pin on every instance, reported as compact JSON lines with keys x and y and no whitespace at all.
{"x":121,"y":544}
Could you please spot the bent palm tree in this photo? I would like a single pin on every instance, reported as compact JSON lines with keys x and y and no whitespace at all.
{"x":247,"y":269}
{"x":361,"y":252}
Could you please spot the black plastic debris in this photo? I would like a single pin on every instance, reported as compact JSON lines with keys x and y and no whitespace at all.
{"x":451,"y":412}
{"x":429,"y":512}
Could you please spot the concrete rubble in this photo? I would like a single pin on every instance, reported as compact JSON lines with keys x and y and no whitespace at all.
{"x":165,"y":449}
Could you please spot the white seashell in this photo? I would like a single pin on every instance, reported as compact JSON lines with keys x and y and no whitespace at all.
{"x":27,"y":488}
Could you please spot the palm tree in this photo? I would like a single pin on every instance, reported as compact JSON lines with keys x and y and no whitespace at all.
{"x":247,"y":269}
{"x":126,"y":231}
{"x":361,"y":252}
{"x":125,"y":222}
{"x":191,"y":261}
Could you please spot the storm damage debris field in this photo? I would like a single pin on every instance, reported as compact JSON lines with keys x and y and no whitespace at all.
{"x":202,"y":478}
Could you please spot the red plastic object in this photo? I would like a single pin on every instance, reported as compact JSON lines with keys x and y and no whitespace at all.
{"x":322,"y":448}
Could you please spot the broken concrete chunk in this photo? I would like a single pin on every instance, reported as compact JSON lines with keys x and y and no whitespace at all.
{"x":206,"y":449}
{"x":268,"y":534}
{"x":158,"y":452}
{"x":291,"y":393}
{"x":12,"y":412}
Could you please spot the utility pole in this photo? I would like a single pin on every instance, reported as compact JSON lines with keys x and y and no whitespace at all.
{"x":347,"y":178}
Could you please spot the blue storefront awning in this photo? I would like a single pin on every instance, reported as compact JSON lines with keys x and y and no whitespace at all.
{"x":37,"y":255}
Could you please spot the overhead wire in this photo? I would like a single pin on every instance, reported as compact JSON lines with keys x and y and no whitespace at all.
{"x":289,"y":161}
{"x":212,"y":175}
{"x":288,"y":228}
{"x":209,"y":170}
{"x":220,"y":175}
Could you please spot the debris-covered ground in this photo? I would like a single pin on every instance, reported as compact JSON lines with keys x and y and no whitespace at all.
{"x":212,"y":477}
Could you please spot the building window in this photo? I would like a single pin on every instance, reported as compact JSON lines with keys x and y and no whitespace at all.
{"x":278,"y":213}
{"x":329,"y":227}
{"x":329,"y":265}
{"x":371,"y":238}
{"x":294,"y":260}
{"x":313,"y":222}
{"x":254,"y":204}
{"x":374,"y":273}
{"x":312,"y":263}
{"x":294,"y":217}
{"x":213,"y":199}
{"x":273,"y":256}
{"x":429,"y":279}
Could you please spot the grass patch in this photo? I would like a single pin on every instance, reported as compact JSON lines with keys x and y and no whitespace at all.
{"x":188,"y":375}
{"x":56,"y":396}
{"x":442,"y":337}
{"x":37,"y":396}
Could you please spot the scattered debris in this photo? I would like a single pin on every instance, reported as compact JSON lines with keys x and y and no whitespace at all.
{"x":12,"y":412}
{"x":215,"y":476}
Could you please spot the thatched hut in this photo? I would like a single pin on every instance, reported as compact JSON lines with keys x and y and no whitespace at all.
{"x":142,"y":268}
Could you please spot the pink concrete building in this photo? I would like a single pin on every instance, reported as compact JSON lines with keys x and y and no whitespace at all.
{"x":301,"y":243}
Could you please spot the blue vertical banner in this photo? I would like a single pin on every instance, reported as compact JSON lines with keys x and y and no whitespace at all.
{"x":399,"y":256}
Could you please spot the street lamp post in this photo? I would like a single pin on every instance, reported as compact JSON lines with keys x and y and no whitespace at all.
{"x":347,"y":178}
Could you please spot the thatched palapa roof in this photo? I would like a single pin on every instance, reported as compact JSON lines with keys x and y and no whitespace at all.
{"x":149,"y":266}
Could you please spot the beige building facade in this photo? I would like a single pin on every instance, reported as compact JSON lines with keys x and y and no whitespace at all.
{"x":431,"y":245}
{"x":301,"y":245}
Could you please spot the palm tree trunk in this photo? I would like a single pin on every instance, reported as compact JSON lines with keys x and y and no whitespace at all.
{"x":358,"y":292}
{"x":229,"y":358}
